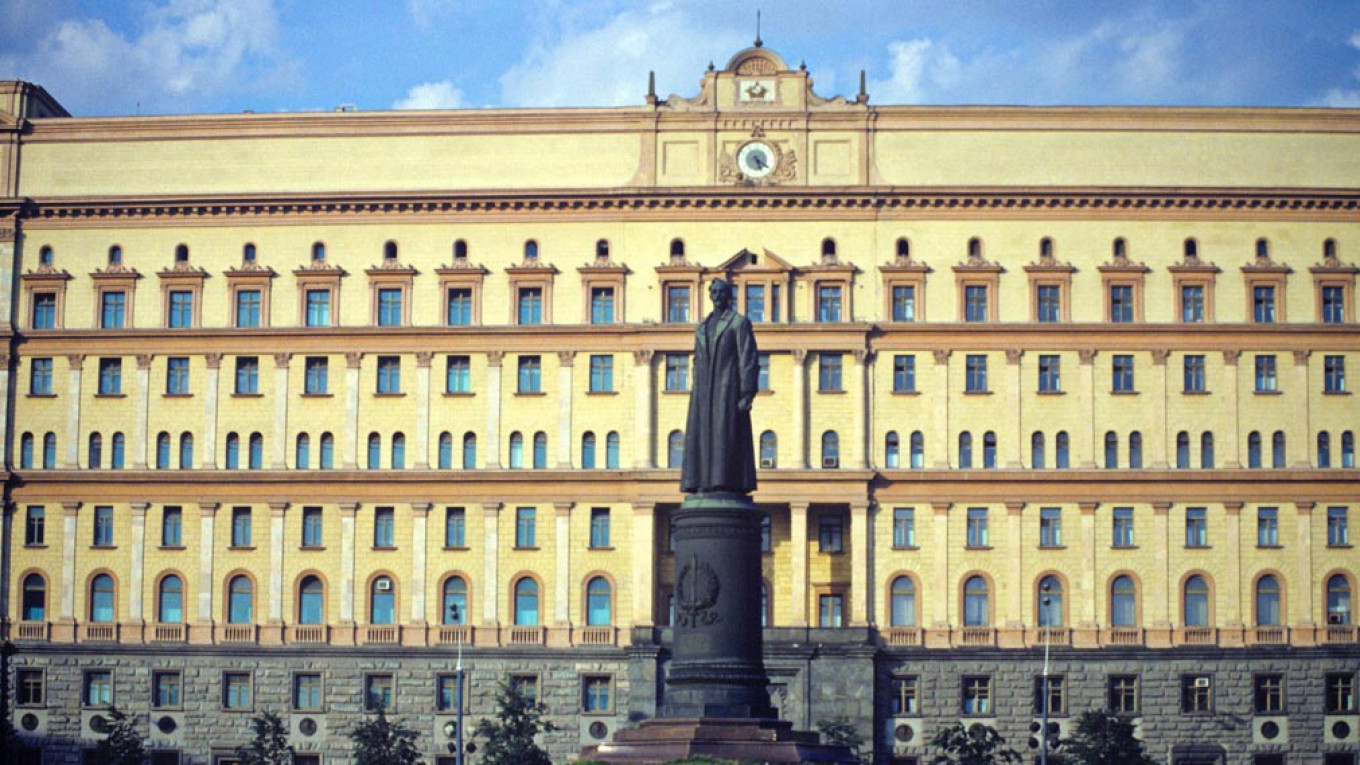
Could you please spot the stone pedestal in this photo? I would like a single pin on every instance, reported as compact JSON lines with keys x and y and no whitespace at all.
{"x":743,"y":740}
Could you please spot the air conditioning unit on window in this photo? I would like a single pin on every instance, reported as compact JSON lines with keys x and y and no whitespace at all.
{"x":766,"y":463}
{"x":831,"y":462}
{"x":383,"y":585}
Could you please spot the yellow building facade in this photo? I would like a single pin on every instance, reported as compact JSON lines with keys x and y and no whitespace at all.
{"x":299,"y":404}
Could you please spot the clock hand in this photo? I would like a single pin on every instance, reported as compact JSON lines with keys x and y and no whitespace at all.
{"x":758,"y":161}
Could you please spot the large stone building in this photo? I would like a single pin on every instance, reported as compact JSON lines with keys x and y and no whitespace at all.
{"x":298,"y":403}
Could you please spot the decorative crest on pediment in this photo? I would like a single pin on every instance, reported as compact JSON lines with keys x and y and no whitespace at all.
{"x":319,"y":266}
{"x":116,"y":269}
{"x":747,"y":261}
{"x":48,"y":270}
{"x":392,"y":266}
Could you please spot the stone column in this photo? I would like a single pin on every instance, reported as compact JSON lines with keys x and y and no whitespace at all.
{"x":490,"y":585}
{"x":422,"y":444}
{"x":1301,"y":427}
{"x":353,"y":361}
{"x":214,"y":365}
{"x":77,"y":364}
{"x":5,"y":407}
{"x":1087,"y":632}
{"x":136,"y":615}
{"x":798,"y":527}
{"x":1087,"y":385}
{"x":141,"y":405}
{"x":643,"y":396}
{"x":1158,"y":586}
{"x":280,"y":461}
{"x":937,"y":635}
{"x":272,"y":632}
{"x":566,"y":361}
{"x":861,"y":557}
{"x":1230,"y":447}
{"x":70,"y":514}
{"x":420,"y":516}
{"x":644,"y":567}
{"x":800,"y":439}
{"x":1230,"y":594}
{"x":562,"y":571}
{"x":939,"y":442}
{"x":1155,"y":445}
{"x":1305,"y":628}
{"x":1012,"y":610}
{"x":1014,"y":383}
{"x":344,"y":635}
{"x":201,"y":631}
{"x":859,"y":402}
{"x":491,"y":457}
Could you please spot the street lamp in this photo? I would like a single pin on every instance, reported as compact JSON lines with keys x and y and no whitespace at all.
{"x":1046,"y":624}
{"x":455,"y":616}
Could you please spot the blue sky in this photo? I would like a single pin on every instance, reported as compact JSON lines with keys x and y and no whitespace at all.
{"x":101,"y":57}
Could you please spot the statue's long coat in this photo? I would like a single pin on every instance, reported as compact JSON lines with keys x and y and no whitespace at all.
{"x":718,"y":451}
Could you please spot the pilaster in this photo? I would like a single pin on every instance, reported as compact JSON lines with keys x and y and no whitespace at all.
{"x":73,"y":380}
{"x":1231,"y":447}
{"x":1011,"y":613}
{"x":279,"y":461}
{"x":861,"y":557}
{"x":201,"y":630}
{"x":1302,"y":592}
{"x":564,"y":401}
{"x":1014,"y":405}
{"x":800,"y":406}
{"x":937,"y":634}
{"x":1087,"y":388}
{"x":798,"y":561}
{"x":344,"y":634}
{"x":1155,"y":444}
{"x":1157,"y":604}
{"x":420,"y":517}
{"x":491,"y":455}
{"x":643,"y":396}
{"x":1231,"y":632}
{"x":1087,"y":631}
{"x":272,"y":632}
{"x":421,"y":456}
{"x":141,"y":407}
{"x":490,"y":584}
{"x":644,"y":555}
{"x":1300,"y":427}
{"x":353,"y":361}
{"x":214,"y":365}
{"x":939,"y":441}
{"x":135,"y":619}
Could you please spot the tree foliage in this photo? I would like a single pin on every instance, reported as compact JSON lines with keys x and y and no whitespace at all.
{"x":379,"y":741}
{"x":510,"y":737}
{"x":839,"y":731}
{"x":270,"y":745}
{"x":977,"y":745}
{"x":1104,"y":738}
{"x":123,"y":745}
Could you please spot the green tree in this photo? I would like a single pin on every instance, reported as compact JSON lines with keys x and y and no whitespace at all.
{"x":123,"y":744}
{"x":379,"y":741}
{"x":1104,"y":738}
{"x":510,"y":737}
{"x":839,"y":731}
{"x":978,"y":745}
{"x":270,"y":745}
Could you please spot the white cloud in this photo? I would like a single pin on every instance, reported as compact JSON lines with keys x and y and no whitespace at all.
{"x":1343,"y":98}
{"x":919,"y":68}
{"x":431,"y":95}
{"x":425,"y":12}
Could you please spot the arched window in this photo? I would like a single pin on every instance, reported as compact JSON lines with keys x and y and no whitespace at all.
{"x":460,"y":250}
{"x":516,"y":450}
{"x":1196,"y":602}
{"x":162,"y":451}
{"x":965,"y":449}
{"x":588,"y":450}
{"x":469,"y":451}
{"x":49,"y":451}
{"x":975,"y":609}
{"x":256,"y":451}
{"x":530,"y":250}
{"x":102,"y":596}
{"x":186,"y":451}
{"x":1182,"y":450}
{"x":374,"y":451}
{"x":1277,"y":455}
{"x":445,"y":450}
{"x":526,"y":602}
{"x":318,"y":252}
{"x":769,"y":449}
{"x":45,"y":256}
{"x":1050,"y":615}
{"x":831,"y":449}
{"x":311,"y":601}
{"x":611,"y":450}
{"x":1347,"y":449}
{"x":974,"y":248}
{"x":1328,"y":249}
{"x":903,"y":247}
{"x":116,"y":453}
{"x":327,"y":460}
{"x":390,"y":251}
{"x":182,"y":253}
{"x":828,"y":248}
{"x":1267,"y":601}
{"x":248,"y":253}
{"x":1120,"y":248}
{"x":1036,"y":450}
{"x":1062,"y":451}
{"x":989,"y":450}
{"x":1045,"y":248}
{"x":34,"y":608}
{"x":1135,"y":450}
{"x":1206,"y":450}
{"x":540,"y":450}
{"x":1339,"y":605}
{"x":398,"y":451}
{"x":918,"y":450}
{"x":455,"y":600}
{"x":1263,"y":248}
{"x":26,"y":451}
{"x":902,"y":602}
{"x":303,"y":459}
{"x":170,"y":601}
{"x":1111,"y":450}
{"x":599,"y":608}
{"x":892,"y":448}
{"x":1191,"y":249}
{"x":115,"y":255}
{"x":96,"y":453}
{"x":1123,"y":602}
{"x":602,"y":249}
{"x":240,"y":600}
{"x":1254,"y":449}
{"x":382,"y":601}
{"x":677,"y":248}
{"x":1324,"y":449}
{"x":675,"y":449}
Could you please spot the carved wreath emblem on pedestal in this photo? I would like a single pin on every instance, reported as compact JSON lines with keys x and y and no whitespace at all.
{"x":696,"y":593}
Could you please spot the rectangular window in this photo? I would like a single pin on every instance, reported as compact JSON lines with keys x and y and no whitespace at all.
{"x":1338,"y":532}
{"x":1050,"y":527}
{"x":1266,"y":381}
{"x":1268,"y":694}
{"x":1121,"y":370}
{"x":975,"y":303}
{"x":166,"y":689}
{"x":35,"y":526}
{"x":830,"y":610}
{"x":1123,"y":527}
{"x":1192,"y":303}
{"x":1267,"y":527}
{"x":235,"y":690}
{"x":110,"y":377}
{"x":1122,"y":694}
{"x":1194,"y":373}
{"x":112,"y":310}
{"x":905,"y":697}
{"x":1334,"y":374}
{"x":384,"y":527}
{"x":828,"y":303}
{"x":1050,"y":373}
{"x":602,"y":305}
{"x":1263,"y":305}
{"x":181,"y":309}
{"x":763,"y":372}
{"x":775,"y":292}
{"x":1049,"y":308}
{"x":460,"y":307}
{"x":247,"y":375}
{"x":316,"y":380}
{"x":40,"y":377}
{"x":378,"y":692}
{"x":318,"y":308}
{"x":904,"y":303}
{"x":1333,"y":305}
{"x":904,"y":527}
{"x":247,"y":308}
{"x":1339,"y":698}
{"x":904,"y":374}
{"x":311,"y":527}
{"x":526,"y":524}
{"x":389,"y":307}
{"x":1197,"y":694}
{"x":601,"y":373}
{"x":529,"y":306}
{"x":177,"y":376}
{"x":1054,"y":696}
{"x":1196,"y":527}
{"x":977,"y":527}
{"x":1121,"y":303}
{"x":829,"y":372}
{"x":977,"y":694}
{"x":458,"y":378}
{"x":307,"y":691}
{"x":975,"y":370}
{"x":240,"y":527}
{"x":830,"y":533}
{"x":103,"y":526}
{"x":446,"y":693}
{"x":755,"y":303}
{"x":98,"y":690}
{"x":599,"y":527}
{"x":526,"y":686}
{"x":172,"y":527}
{"x":455,"y":527}
{"x":677,"y":304}
{"x":389,"y":374}
{"x":677,"y":372}
{"x":44,"y":310}
{"x":597,"y":694}
{"x":530,"y":375}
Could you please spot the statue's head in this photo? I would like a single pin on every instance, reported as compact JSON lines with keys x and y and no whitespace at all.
{"x":720,"y":292}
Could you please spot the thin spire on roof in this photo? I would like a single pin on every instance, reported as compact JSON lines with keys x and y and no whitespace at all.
{"x":759,"y":42}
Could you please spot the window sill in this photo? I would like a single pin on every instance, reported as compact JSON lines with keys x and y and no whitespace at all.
{"x":383,"y":548}
{"x":458,"y":394}
{"x":103,"y":547}
{"x":1123,"y":393}
{"x":670,"y":392}
{"x":977,"y":393}
{"x":1123,"y":547}
{"x":238,"y":710}
{"x":907,"y":547}
{"x":1336,"y":393}
{"x":1050,"y":393}
{"x":532,"y":393}
{"x":1194,"y":393}
{"x":838,"y":392}
{"x":1267,"y":392}
{"x":906,"y":392}
{"x":602,"y":393}
{"x":977,"y":547}
{"x":1339,"y":547}
{"x":600,"y":549}
{"x":173,"y":547}
{"x":526,"y":549}
{"x":242,"y":548}
{"x":1052,"y":547}
{"x":247,"y":395}
{"x":35,"y":547}
{"x":41,"y":395}
{"x":110,"y":395}
{"x":318,"y":395}
{"x":312,"y":548}
{"x":381,"y":394}
{"x":177,"y":395}
{"x":1270,"y":547}
{"x":458,"y":548}
{"x":830,"y":552}
{"x":766,"y":392}
{"x":1199,"y":547}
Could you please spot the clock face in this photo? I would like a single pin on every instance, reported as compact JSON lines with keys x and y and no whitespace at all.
{"x":756,"y":160}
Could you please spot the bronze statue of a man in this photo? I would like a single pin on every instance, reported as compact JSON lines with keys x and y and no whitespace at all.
{"x":718,"y":451}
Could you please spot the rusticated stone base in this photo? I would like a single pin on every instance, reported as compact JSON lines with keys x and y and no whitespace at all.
{"x":764,"y":741}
